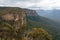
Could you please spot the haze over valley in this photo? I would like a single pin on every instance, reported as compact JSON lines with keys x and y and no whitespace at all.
{"x":53,"y":14}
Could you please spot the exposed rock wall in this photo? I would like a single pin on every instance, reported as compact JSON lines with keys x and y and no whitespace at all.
{"x":14,"y":18}
{"x":15,"y":14}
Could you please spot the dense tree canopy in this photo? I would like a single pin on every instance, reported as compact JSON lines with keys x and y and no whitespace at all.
{"x":39,"y":34}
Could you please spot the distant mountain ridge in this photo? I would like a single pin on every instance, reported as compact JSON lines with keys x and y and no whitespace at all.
{"x":52,"y":14}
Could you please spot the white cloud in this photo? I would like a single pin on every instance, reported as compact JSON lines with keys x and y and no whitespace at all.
{"x":48,"y":4}
{"x":32,"y":4}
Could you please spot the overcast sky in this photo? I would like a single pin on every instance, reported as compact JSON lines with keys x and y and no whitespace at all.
{"x":32,"y":4}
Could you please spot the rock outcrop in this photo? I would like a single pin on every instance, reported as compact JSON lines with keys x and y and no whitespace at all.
{"x":13,"y":21}
{"x":15,"y":14}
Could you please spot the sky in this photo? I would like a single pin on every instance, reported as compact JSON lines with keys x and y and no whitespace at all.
{"x":32,"y":4}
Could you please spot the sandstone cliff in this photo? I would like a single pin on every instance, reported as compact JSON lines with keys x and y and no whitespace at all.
{"x":15,"y":16}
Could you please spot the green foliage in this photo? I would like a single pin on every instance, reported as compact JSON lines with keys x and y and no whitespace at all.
{"x":41,"y":22}
{"x":32,"y":22}
{"x":39,"y":34}
{"x":9,"y":30}
{"x":24,"y":38}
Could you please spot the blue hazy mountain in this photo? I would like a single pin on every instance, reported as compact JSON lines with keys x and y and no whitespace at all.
{"x":51,"y":14}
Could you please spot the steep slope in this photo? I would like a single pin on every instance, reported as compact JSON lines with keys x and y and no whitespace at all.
{"x":48,"y":25}
{"x":12,"y":14}
{"x":12,"y":23}
{"x":17,"y":17}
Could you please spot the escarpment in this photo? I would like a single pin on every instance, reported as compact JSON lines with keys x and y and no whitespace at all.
{"x":13,"y":14}
{"x":15,"y":17}
{"x":16,"y":14}
{"x":15,"y":21}
{"x":30,"y":12}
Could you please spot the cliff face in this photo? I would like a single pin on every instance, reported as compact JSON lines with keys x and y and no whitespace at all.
{"x":16,"y":18}
{"x":12,"y":16}
{"x":31,"y":12}
{"x":16,"y":14}
{"x":12,"y":20}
